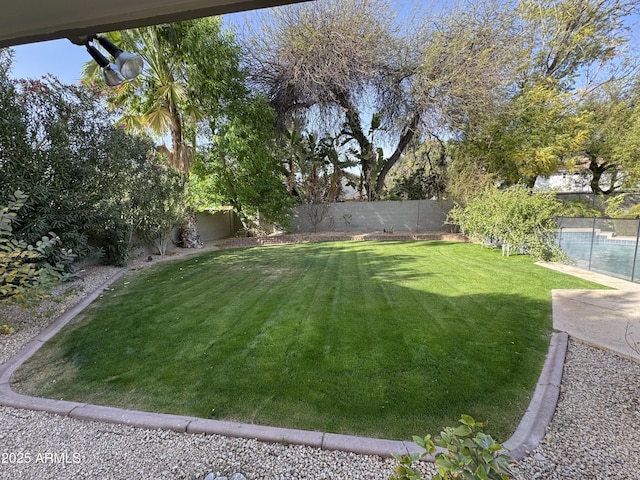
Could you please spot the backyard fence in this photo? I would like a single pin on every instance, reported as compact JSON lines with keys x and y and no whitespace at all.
{"x":399,"y":216}
{"x":607,"y":245}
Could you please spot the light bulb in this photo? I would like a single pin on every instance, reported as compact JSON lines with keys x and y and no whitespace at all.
{"x":129,"y":64}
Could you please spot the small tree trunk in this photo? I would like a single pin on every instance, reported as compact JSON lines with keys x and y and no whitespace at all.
{"x":189,"y":234}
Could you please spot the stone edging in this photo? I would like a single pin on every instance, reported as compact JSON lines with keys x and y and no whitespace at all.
{"x":544,"y":401}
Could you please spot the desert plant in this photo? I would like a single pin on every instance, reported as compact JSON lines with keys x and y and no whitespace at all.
{"x":470,"y":454}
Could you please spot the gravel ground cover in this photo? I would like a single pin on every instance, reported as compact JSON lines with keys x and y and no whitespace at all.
{"x":595,"y":433}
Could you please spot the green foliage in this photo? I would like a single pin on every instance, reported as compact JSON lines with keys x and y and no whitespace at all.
{"x":532,"y":136}
{"x":626,"y":145}
{"x":555,"y":113}
{"x":515,"y":219}
{"x":23,"y":268}
{"x":612,"y":159}
{"x":579,"y":208}
{"x":161,"y":209}
{"x":613,"y":206}
{"x":572,"y":36}
{"x":467,"y":180}
{"x":241,"y":168}
{"x":195,"y":90}
{"x":85,"y":178}
{"x":239,"y":161}
{"x":470,"y":454}
{"x":634,"y":212}
{"x":6,"y":329}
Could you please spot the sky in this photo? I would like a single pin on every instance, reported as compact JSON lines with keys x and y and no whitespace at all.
{"x":65,"y":60}
{"x":60,"y":58}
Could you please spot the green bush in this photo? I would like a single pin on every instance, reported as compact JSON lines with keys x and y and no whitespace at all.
{"x":470,"y":454}
{"x":634,"y":212}
{"x":23,"y":267}
{"x":580,"y":208}
{"x":162,"y":208}
{"x":515,"y":219}
{"x":85,"y":177}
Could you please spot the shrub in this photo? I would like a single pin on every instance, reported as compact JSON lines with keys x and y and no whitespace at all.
{"x":580,"y":208}
{"x":22,"y":266}
{"x":613,"y":206}
{"x":470,"y":454}
{"x":86,"y":178}
{"x":161,"y":209}
{"x":515,"y":219}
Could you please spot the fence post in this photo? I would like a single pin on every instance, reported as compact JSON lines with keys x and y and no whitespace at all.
{"x":635,"y":255}
{"x":560,"y":231}
{"x":593,"y":237}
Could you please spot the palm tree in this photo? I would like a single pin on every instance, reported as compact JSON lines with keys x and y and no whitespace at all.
{"x":157,"y":101}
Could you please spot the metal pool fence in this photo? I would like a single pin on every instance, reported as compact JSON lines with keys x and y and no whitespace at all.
{"x":606,"y":245}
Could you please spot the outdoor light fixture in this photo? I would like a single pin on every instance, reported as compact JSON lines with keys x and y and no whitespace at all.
{"x":127,"y":65}
{"x":110,"y":72}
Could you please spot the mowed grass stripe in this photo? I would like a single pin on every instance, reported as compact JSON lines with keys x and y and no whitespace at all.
{"x":386,"y":339}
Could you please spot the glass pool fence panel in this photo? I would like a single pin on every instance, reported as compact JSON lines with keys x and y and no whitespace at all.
{"x":605,"y":245}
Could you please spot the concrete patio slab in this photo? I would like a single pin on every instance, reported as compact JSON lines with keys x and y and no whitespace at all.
{"x":606,"y":319}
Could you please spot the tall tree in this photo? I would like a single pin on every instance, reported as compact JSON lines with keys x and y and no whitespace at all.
{"x":575,"y":40}
{"x":238,"y":160}
{"x":573,"y":48}
{"x":194,"y":91}
{"x":612,"y":151}
{"x":381,"y":85}
{"x":535,"y":133}
{"x":325,"y":55}
{"x":157,"y":101}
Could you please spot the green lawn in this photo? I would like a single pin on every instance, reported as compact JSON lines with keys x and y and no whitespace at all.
{"x":386,"y":339}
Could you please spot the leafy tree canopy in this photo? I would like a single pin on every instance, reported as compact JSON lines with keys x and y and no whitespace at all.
{"x":501,"y":82}
{"x":195,"y":91}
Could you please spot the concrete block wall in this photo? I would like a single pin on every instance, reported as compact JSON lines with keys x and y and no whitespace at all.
{"x":398,"y":216}
{"x":213,"y":226}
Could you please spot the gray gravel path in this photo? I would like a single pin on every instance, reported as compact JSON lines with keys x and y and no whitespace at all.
{"x":595,"y":433}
